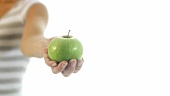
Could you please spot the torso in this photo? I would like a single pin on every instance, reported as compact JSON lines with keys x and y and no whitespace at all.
{"x":13,"y":63}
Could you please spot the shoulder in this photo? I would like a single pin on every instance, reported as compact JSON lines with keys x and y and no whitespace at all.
{"x":37,"y":10}
{"x":38,"y":7}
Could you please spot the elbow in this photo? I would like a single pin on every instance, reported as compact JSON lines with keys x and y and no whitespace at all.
{"x":24,"y":51}
{"x":28,"y":52}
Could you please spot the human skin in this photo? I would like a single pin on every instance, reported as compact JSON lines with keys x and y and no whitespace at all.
{"x":34,"y":44}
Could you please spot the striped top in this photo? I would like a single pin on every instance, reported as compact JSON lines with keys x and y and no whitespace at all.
{"x":12,"y":62}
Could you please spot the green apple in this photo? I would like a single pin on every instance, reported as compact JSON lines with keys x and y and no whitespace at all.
{"x":65,"y":48}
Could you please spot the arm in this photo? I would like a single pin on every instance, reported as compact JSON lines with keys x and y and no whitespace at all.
{"x":33,"y":40}
{"x":34,"y":44}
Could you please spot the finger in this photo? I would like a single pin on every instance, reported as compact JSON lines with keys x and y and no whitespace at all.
{"x":79,"y":65}
{"x":70,"y":68}
{"x":61,"y":66}
{"x":50,"y":63}
{"x":47,"y":59}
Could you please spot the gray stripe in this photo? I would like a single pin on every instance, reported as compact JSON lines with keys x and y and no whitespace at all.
{"x":10,"y":43}
{"x":10,"y":91}
{"x":11,"y":24}
{"x":22,"y":58}
{"x":13,"y":69}
{"x":5,"y":48}
{"x":10,"y":37}
{"x":11,"y":30}
{"x":10,"y":80}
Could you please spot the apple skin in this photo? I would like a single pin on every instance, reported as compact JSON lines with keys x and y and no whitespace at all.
{"x":65,"y":48}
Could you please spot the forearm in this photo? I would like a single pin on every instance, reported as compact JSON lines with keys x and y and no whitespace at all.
{"x":33,"y":47}
{"x":33,"y":41}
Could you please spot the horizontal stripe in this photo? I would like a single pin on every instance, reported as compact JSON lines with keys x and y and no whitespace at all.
{"x":11,"y":30}
{"x":9,"y":43}
{"x":18,"y":63}
{"x":9,"y":91}
{"x":11,"y":37}
{"x":10,"y":86}
{"x":13,"y":21}
{"x":12,"y":13}
{"x":14,"y":58}
{"x":6,"y":48}
{"x":11,"y":53}
{"x":13,"y":69}
{"x":12,"y":75}
{"x":11,"y":80}
{"x":15,"y":11}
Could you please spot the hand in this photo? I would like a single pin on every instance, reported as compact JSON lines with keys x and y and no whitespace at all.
{"x":66,"y":68}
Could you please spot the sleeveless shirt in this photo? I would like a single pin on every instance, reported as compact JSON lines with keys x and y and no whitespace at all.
{"x":13,"y":63}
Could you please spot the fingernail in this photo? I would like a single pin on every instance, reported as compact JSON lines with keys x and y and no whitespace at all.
{"x":64,"y":65}
{"x":54,"y":64}
{"x":73,"y":64}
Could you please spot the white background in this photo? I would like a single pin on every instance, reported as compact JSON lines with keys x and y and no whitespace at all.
{"x":126,"y":49}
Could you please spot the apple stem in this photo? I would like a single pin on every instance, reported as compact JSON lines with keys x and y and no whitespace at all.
{"x":68,"y":33}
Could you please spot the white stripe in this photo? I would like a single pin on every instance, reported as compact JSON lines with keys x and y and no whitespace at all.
{"x":12,"y":21}
{"x":10,"y":64}
{"x":12,"y":75}
{"x":13,"y":12}
{"x":10,"y":86}
{"x":10,"y":53}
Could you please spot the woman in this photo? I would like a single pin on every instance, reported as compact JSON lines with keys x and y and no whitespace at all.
{"x":22,"y":23}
